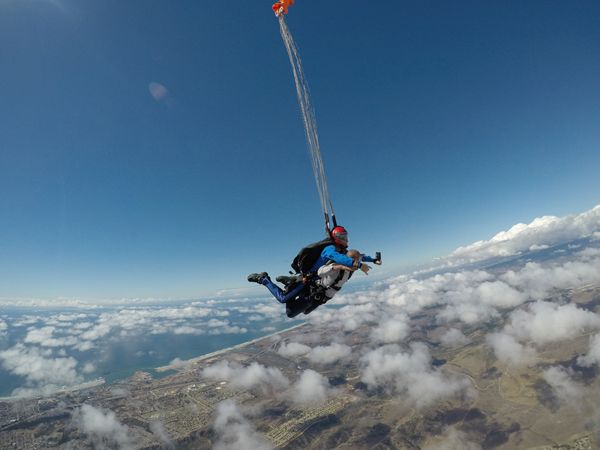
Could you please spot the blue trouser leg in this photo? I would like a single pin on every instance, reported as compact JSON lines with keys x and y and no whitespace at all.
{"x":278,"y":293}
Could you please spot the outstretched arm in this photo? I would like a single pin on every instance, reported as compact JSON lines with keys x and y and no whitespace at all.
{"x":330,"y":253}
{"x":376,"y":260}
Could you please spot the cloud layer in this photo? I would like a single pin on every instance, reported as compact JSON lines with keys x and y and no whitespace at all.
{"x":471,"y":297}
{"x":519,"y":307}
{"x":541,"y":233}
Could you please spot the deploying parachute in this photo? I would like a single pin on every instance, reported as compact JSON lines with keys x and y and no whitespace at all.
{"x":322,"y":267}
{"x":281,"y":7}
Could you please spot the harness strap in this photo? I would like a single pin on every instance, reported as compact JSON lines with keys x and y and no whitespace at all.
{"x":338,"y":279}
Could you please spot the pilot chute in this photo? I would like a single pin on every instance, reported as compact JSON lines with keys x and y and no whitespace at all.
{"x":281,"y":7}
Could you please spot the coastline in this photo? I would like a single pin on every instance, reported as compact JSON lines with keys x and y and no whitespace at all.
{"x":184,"y":364}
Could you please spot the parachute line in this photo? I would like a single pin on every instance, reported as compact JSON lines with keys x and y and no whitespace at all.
{"x":308,"y":117}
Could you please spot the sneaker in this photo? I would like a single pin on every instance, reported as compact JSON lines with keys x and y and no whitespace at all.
{"x":257,"y":277}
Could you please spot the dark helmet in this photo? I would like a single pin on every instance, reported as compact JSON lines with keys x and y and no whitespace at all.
{"x":340,"y":236}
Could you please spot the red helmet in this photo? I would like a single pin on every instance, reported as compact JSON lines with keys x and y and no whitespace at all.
{"x":340,"y":236}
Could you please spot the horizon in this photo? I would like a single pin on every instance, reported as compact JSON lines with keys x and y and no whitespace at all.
{"x":549,"y":232}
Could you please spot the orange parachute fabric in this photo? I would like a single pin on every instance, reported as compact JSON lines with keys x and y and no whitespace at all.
{"x":281,"y":7}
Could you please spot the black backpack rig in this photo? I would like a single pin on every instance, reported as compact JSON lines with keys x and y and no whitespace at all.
{"x":308,"y":256}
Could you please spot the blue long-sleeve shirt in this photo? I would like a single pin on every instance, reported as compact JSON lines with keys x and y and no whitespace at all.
{"x":330,"y":253}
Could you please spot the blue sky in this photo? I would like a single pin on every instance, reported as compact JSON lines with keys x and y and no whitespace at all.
{"x":440,"y":123}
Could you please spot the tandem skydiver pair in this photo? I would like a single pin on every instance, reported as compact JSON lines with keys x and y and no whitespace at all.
{"x":321,"y":269}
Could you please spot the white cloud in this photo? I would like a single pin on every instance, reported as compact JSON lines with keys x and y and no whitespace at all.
{"x":293,"y":349}
{"x":453,"y":439}
{"x":391,"y":330}
{"x":82,"y":326}
{"x":539,"y":281}
{"x":234,"y":431}
{"x":27,"y":320}
{"x":499,"y":294}
{"x":270,"y":310}
{"x":472,"y":297}
{"x":409,"y":374}
{"x":589,"y":253}
{"x":178,"y":363}
{"x":216,"y":323}
{"x":253,"y":376}
{"x":64,"y":320}
{"x":327,"y":354}
{"x":545,"y":322}
{"x":413,"y":295}
{"x":322,"y":354}
{"x":45,"y":337}
{"x":3,"y":326}
{"x":88,"y":368}
{"x":84,"y":346}
{"x":535,"y":247}
{"x":158,"y":429}
{"x":347,"y":318}
{"x":453,"y":338}
{"x":509,"y":351}
{"x":101,"y":329}
{"x":468,"y":313}
{"x":310,"y":388}
{"x":102,"y":428}
{"x":188,"y":330}
{"x":217,"y":327}
{"x":566,"y":390}
{"x":42,"y":372}
{"x":593,"y":355}
{"x":542,"y":231}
